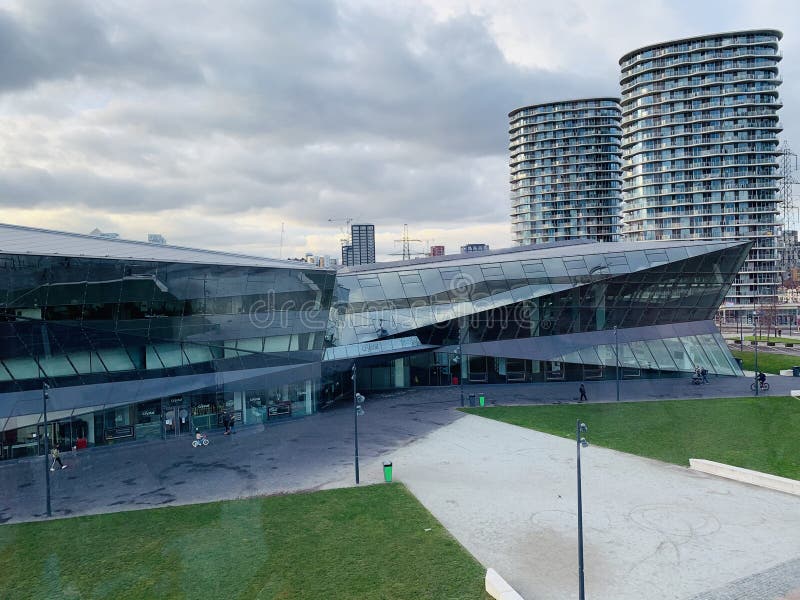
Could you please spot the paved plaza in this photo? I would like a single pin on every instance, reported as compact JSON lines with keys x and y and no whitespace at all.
{"x":508,"y":494}
{"x":651,"y":530}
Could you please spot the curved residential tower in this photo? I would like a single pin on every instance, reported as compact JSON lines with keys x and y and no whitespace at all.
{"x":700,"y":136}
{"x":565,"y":170}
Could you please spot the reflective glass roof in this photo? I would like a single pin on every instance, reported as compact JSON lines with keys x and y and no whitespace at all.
{"x":563,"y":249}
{"x":15,"y":239}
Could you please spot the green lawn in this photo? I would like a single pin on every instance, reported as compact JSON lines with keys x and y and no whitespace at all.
{"x":369,"y":542}
{"x":769,"y":362}
{"x":763,"y":338}
{"x":755,"y":433}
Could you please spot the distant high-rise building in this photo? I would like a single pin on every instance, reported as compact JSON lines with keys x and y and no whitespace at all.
{"x":437,"y":251}
{"x":466,"y":248}
{"x":362,"y":238}
{"x":156,"y":238}
{"x":566,"y":179}
{"x":700,"y":146}
{"x":108,"y":235}
{"x":347,"y":255}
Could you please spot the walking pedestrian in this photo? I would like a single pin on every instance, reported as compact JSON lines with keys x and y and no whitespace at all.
{"x":232,"y":422}
{"x":226,"y":421}
{"x":583,"y":394}
{"x":56,"y":456}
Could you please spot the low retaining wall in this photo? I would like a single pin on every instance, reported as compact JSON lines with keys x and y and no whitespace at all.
{"x":773,"y":482}
{"x":498,"y":588}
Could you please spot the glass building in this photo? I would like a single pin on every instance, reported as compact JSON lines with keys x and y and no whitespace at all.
{"x":553,"y":312}
{"x":143,"y":340}
{"x":565,"y":171}
{"x":700,"y":138}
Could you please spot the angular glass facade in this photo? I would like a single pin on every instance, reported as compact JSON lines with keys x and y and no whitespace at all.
{"x":566,"y":171}
{"x":700,"y":138}
{"x":159,"y":346}
{"x":542,"y":313}
{"x":145,"y":341}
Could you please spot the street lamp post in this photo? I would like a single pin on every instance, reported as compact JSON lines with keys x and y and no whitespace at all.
{"x":355,"y":420}
{"x":616,"y":355}
{"x":45,"y":396}
{"x":461,"y":363}
{"x":755,"y":338}
{"x":579,"y":429}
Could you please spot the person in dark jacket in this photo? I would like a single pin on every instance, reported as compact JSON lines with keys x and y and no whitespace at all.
{"x":583,"y":394}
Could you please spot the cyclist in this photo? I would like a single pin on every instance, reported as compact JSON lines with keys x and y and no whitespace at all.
{"x":762,"y":378}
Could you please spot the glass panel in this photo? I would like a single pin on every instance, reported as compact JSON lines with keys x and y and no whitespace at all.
{"x":392,"y":288}
{"x":717,"y":356}
{"x":86,"y":362}
{"x":277,"y":343}
{"x":607,"y":355}
{"x":116,"y":359}
{"x":432,"y":281}
{"x":643,"y":356}
{"x":197,"y":353}
{"x":55,"y":366}
{"x":695,"y":352}
{"x":22,"y":368}
{"x":170,"y":354}
{"x":637,"y":260}
{"x":678,"y":354}
{"x":626,"y":357}
{"x":555,"y":268}
{"x":589,"y":356}
{"x":662,"y":355}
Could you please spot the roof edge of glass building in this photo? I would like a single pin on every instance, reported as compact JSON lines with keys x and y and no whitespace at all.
{"x":37,"y":241}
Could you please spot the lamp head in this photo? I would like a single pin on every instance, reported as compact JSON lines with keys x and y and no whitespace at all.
{"x":583,"y":428}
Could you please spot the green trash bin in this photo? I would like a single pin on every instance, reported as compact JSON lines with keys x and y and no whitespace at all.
{"x":387,"y":472}
{"x":482,"y":400}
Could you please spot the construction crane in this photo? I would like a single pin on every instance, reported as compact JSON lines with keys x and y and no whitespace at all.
{"x":345,"y":239}
{"x":406,"y":253}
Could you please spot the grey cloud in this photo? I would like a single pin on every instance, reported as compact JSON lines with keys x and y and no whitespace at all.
{"x":308,"y":109}
{"x":51,"y":40}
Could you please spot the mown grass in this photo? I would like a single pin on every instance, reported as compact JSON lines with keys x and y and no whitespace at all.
{"x":754,"y":433}
{"x":769,"y":362}
{"x":368,"y":542}
{"x":763,"y":338}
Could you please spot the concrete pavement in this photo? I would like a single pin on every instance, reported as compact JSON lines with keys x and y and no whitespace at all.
{"x":652,"y":530}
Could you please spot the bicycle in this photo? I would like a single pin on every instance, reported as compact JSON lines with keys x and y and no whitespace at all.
{"x":764,"y":387}
{"x":202,"y":441}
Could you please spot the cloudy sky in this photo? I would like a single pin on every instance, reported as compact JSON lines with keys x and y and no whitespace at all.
{"x":214,"y":123}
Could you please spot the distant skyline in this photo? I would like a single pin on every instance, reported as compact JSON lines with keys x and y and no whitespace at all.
{"x":213,"y":123}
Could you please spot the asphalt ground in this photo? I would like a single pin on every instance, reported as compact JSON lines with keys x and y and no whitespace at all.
{"x":314,"y":452}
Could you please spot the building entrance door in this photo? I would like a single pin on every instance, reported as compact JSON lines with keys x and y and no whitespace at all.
{"x":177,"y":419}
